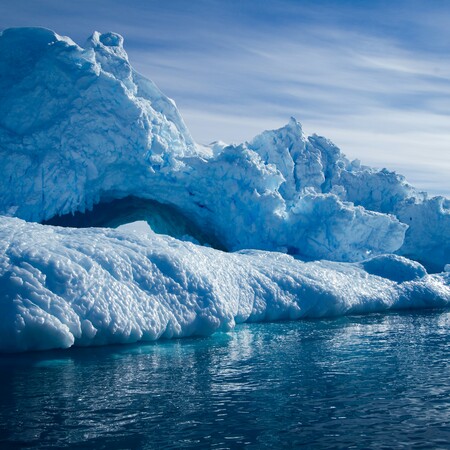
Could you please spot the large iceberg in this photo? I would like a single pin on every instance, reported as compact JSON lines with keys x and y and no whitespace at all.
{"x":86,"y":141}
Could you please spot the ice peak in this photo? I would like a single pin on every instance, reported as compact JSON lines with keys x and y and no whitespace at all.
{"x":109,"y":39}
{"x":289,"y":134}
{"x":109,"y":43}
{"x":294,"y":125}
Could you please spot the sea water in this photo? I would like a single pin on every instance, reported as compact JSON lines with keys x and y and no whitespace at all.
{"x":378,"y":381}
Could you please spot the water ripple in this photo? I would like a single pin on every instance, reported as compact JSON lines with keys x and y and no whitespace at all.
{"x":378,"y":381}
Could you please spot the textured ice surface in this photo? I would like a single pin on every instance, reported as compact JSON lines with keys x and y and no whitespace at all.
{"x":79,"y":126}
{"x":81,"y":131}
{"x":65,"y":286}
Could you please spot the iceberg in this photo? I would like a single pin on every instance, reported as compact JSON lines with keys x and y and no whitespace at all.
{"x":116,"y":226}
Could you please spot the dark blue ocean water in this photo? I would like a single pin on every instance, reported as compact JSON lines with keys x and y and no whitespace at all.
{"x":380,"y":381}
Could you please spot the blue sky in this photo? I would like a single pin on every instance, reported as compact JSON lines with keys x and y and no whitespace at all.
{"x":373,"y":76}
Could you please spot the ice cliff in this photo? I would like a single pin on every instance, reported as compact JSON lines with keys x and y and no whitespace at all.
{"x":87,"y":141}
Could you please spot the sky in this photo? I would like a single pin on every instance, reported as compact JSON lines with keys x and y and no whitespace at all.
{"x":372,"y":76}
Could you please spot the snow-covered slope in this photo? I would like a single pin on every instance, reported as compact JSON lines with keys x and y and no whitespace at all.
{"x":65,"y":286}
{"x":81,"y":131}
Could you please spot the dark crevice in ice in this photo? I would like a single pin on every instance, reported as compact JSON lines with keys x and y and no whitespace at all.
{"x":162,"y":219}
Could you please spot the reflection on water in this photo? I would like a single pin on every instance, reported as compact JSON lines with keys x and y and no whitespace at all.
{"x":376,"y":381}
